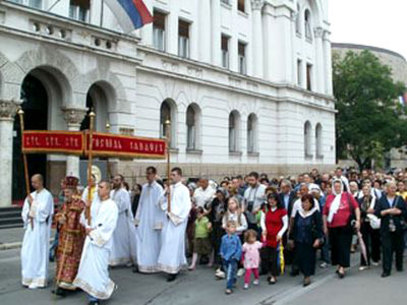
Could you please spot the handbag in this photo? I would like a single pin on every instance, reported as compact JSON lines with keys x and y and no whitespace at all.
{"x":374,"y":221}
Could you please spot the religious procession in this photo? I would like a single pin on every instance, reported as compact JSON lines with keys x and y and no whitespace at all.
{"x":245,"y":226}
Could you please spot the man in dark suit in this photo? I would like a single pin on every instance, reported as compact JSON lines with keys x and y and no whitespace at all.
{"x":287,"y":197}
{"x":392,"y":210}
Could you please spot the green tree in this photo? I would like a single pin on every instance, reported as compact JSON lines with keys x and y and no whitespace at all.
{"x":370,"y":120}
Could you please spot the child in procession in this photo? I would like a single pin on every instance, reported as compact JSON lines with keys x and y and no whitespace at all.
{"x":231,"y":252}
{"x":202,"y":243}
{"x":251,"y":249}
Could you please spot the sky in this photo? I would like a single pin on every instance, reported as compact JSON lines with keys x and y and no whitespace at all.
{"x":370,"y":22}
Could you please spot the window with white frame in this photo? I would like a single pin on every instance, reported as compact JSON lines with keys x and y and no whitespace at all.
{"x":298,"y":21}
{"x":251,"y":133}
{"x":183,"y":39}
{"x":299,"y":72}
{"x":309,"y":77}
{"x":167,"y":113}
{"x":307,"y":140}
{"x":191,"y":128}
{"x":79,"y":10}
{"x":225,"y":51}
{"x":318,"y":141}
{"x":234,"y":131}
{"x":159,"y":31}
{"x":241,"y":5}
{"x":242,"y":57}
{"x":307,"y":24}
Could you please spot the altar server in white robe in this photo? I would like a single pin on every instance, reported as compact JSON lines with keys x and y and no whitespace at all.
{"x":172,"y":255}
{"x":37,"y":217}
{"x":93,"y":275}
{"x":124,"y":237}
{"x":150,"y":219}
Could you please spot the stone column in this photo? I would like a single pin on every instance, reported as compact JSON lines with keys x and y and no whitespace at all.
{"x":319,"y":60}
{"x":215,"y":31}
{"x":73,"y":118}
{"x":7,"y":114}
{"x":257,"y":35}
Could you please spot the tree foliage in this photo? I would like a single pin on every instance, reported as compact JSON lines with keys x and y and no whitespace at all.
{"x":370,"y":120}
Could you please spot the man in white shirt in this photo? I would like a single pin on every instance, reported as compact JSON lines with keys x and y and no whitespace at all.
{"x":204,"y":194}
{"x":37,"y":217}
{"x":345,"y":181}
{"x":172,"y":254}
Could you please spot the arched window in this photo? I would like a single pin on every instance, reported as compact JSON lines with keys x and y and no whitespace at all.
{"x":307,"y":24}
{"x":234,"y":120}
{"x":307,"y":140}
{"x":252,"y":133}
{"x":318,"y":141}
{"x":193,"y":124}
{"x":167,"y":112}
{"x":298,"y":21}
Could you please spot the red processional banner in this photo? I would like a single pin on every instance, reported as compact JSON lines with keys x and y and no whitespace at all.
{"x":104,"y":144}
{"x":121,"y":146}
{"x":57,"y":142}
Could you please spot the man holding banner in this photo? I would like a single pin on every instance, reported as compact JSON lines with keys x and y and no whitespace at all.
{"x":172,"y":255}
{"x":37,"y":216}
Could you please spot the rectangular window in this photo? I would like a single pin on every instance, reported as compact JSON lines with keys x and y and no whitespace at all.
{"x":159,"y":31}
{"x":299,"y":72}
{"x":309,"y":77}
{"x":183,"y":39}
{"x":242,"y":57}
{"x":79,"y":10}
{"x":241,"y":5}
{"x":225,"y":51}
{"x":35,"y":3}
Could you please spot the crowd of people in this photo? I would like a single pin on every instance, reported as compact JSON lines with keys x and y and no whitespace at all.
{"x":239,"y":226}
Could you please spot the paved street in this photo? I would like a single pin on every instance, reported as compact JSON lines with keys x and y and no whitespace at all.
{"x":200,"y":287}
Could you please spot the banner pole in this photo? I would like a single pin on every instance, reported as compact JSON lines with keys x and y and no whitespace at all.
{"x":109,"y":170}
{"x":20,"y":113}
{"x":88,"y":206}
{"x":168,"y":139}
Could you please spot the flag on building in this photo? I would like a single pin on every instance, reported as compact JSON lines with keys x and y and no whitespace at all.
{"x":131,"y":14}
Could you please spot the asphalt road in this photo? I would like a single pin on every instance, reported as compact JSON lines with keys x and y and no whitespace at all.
{"x":200,"y":287}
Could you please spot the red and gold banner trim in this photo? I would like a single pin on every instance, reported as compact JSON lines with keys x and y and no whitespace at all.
{"x":104,"y":144}
{"x":121,"y":146}
{"x":59,"y":142}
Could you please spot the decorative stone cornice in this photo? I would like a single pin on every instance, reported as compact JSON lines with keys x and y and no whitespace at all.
{"x":257,"y":4}
{"x":74,"y":116}
{"x":8,"y":109}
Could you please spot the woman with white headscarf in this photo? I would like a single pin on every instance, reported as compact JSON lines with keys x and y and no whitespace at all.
{"x":339,"y":208}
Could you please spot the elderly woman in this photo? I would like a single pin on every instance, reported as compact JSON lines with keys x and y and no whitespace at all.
{"x":307,"y":237}
{"x":392,"y":210}
{"x":338,"y":211}
{"x":369,"y":228}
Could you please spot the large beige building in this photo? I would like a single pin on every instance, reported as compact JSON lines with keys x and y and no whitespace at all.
{"x":246,"y":84}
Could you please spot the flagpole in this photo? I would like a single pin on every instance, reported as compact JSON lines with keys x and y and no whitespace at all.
{"x":88,"y":206}
{"x":20,"y":113}
{"x":168,"y":139}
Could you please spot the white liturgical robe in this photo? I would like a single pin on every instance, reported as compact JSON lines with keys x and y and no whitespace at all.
{"x":93,"y":274}
{"x":35,"y":248}
{"x":150,"y":219}
{"x":124,"y":237}
{"x":172,"y":255}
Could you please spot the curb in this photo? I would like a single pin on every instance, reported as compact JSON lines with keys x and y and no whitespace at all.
{"x":8,"y":246}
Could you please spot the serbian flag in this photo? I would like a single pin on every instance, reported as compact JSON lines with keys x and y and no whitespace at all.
{"x":131,"y":14}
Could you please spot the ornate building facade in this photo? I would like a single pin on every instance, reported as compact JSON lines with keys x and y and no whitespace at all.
{"x":246,"y":84}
